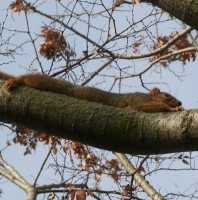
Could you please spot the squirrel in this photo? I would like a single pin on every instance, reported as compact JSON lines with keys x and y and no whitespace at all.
{"x":154,"y":101}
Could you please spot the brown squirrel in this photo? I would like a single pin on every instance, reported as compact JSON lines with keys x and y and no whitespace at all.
{"x":154,"y":101}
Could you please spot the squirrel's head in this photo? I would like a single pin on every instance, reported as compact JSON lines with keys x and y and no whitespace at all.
{"x":164,"y":97}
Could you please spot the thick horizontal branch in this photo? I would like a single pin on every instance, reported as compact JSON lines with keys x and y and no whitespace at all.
{"x":120,"y":130}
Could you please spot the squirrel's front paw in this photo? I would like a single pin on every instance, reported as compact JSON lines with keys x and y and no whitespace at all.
{"x":179,"y":108}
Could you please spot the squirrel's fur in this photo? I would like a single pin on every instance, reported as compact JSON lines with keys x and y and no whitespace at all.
{"x":154,"y":101}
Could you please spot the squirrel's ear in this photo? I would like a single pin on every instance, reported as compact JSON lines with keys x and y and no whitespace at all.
{"x":154,"y":91}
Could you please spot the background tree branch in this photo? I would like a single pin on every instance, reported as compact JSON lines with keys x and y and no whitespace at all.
{"x":185,"y":10}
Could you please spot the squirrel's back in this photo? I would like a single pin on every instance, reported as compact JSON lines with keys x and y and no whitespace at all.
{"x":154,"y":101}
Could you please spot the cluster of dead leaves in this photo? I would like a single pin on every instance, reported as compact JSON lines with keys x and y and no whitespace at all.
{"x":81,"y":151}
{"x":20,"y":5}
{"x":29,"y":138}
{"x":25,"y":137}
{"x":114,"y":165}
{"x":181,"y":43}
{"x":54,"y":45}
{"x":17,"y":6}
{"x":87,"y":160}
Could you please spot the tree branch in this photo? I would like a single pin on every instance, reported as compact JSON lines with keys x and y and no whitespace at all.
{"x":11,"y":174}
{"x":145,"y":185}
{"x":186,"y":11}
{"x":115,"y":129}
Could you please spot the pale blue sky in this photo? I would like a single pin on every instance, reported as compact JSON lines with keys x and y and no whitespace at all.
{"x":184,"y":89}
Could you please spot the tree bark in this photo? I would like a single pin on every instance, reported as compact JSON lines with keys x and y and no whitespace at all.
{"x":185,"y":10}
{"x":115,"y":129}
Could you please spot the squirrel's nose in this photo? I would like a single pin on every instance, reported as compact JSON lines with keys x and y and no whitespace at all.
{"x":179,"y":103}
